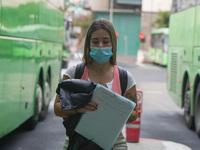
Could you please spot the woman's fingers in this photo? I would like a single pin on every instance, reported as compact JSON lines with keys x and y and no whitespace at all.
{"x":93,"y":104}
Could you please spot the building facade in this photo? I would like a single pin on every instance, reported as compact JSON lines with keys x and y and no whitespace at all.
{"x":150,"y":9}
{"x":126,"y":18}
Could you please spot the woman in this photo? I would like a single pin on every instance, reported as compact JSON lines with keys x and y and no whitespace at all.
{"x":100,"y":67}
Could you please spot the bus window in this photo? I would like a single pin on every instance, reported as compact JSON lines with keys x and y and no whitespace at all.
{"x":165,"y":43}
{"x":176,"y":6}
{"x":159,"y":45}
{"x":198,"y":2}
{"x":158,"y":41}
{"x":153,"y":41}
{"x":185,"y":4}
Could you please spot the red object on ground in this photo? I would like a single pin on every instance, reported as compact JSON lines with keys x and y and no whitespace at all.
{"x":133,"y":129}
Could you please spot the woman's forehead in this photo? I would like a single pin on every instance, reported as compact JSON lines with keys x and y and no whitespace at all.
{"x":100,"y":33}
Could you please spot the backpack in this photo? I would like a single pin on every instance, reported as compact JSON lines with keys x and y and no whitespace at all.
{"x":122,"y":75}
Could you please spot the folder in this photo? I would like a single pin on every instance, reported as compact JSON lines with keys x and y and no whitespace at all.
{"x":104,"y":125}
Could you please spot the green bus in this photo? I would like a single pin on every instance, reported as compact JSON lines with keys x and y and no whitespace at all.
{"x":184,"y":59}
{"x":30,"y":60}
{"x":159,"y":46}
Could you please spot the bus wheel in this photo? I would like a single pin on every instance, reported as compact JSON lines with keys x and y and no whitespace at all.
{"x":38,"y":104}
{"x":197,"y":111}
{"x":32,"y":122}
{"x":188,"y":118}
{"x":47,"y":97}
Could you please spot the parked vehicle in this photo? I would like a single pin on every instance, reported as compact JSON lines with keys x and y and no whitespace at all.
{"x":184,"y":60}
{"x":158,"y":51}
{"x":30,"y":61}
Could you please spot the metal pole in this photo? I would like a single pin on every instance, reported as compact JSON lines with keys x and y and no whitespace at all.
{"x":111,"y":10}
{"x":126,"y":44}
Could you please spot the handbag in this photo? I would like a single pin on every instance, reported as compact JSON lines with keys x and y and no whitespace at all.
{"x":75,"y":93}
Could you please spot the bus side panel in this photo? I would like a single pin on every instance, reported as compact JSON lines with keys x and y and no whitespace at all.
{"x":164,"y":59}
{"x":50,"y":27}
{"x":56,"y":67}
{"x":52,"y":61}
{"x":29,"y":76}
{"x":158,"y":55}
{"x":19,"y":18}
{"x":0,"y":15}
{"x":197,"y":28}
{"x":183,"y":21}
{"x":152,"y":54}
{"x":10,"y":84}
{"x":196,"y":55}
{"x":174,"y":74}
{"x":34,"y":19}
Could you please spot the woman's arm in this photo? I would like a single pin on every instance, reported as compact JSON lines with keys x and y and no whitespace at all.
{"x":132,"y":95}
{"x":92,"y":106}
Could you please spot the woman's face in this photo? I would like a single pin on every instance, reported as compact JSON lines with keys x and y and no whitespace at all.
{"x":100,"y":38}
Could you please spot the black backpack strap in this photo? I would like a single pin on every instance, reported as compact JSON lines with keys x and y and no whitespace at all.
{"x":122,"y":75}
{"x":123,"y":79}
{"x":79,"y":70}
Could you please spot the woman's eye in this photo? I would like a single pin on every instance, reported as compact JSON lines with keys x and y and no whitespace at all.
{"x":105,"y":42}
{"x":95,"y":42}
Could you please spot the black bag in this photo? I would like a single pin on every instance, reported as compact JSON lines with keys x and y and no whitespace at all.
{"x":77,"y":141}
{"x":75,"y":93}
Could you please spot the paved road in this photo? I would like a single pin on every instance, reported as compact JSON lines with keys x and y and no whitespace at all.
{"x":162,"y":123}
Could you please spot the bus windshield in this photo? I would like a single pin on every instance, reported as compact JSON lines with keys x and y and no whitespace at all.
{"x":160,"y":41}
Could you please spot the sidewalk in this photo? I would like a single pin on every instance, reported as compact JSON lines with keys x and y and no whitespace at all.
{"x":123,"y":58}
{"x":144,"y":143}
{"x":153,"y":144}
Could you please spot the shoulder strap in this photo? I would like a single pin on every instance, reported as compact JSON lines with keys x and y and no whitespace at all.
{"x":79,"y":70}
{"x":122,"y":75}
{"x":123,"y":79}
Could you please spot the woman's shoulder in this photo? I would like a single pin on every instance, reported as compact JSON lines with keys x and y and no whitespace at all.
{"x":129,"y":75}
{"x":130,"y":80}
{"x":70,"y":71}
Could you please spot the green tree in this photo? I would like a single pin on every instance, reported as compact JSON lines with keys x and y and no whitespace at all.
{"x":163,"y":19}
{"x":84,"y":22}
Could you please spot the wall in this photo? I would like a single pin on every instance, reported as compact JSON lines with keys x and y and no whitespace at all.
{"x":127,"y":25}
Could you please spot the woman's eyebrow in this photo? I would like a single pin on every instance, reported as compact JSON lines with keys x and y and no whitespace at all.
{"x":105,"y":38}
{"x":94,"y":38}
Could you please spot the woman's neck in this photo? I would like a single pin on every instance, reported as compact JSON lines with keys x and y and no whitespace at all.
{"x":100,"y":69}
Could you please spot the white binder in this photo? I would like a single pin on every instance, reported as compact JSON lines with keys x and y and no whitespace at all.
{"x":104,"y":125}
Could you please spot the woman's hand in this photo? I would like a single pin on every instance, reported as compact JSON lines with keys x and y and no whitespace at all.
{"x":91,"y":106}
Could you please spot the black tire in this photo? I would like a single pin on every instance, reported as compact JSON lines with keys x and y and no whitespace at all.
{"x":47,"y":98}
{"x":197,"y":111}
{"x":32,"y":122}
{"x":189,"y":120}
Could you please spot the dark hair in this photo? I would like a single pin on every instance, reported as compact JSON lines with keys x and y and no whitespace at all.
{"x":100,"y":24}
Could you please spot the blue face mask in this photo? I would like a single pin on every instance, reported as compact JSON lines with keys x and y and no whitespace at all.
{"x":101,"y":55}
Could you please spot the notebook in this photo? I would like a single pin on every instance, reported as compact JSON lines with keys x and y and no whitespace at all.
{"x":104,"y":125}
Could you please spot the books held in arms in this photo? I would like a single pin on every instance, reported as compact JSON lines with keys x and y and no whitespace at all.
{"x":104,"y":125}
